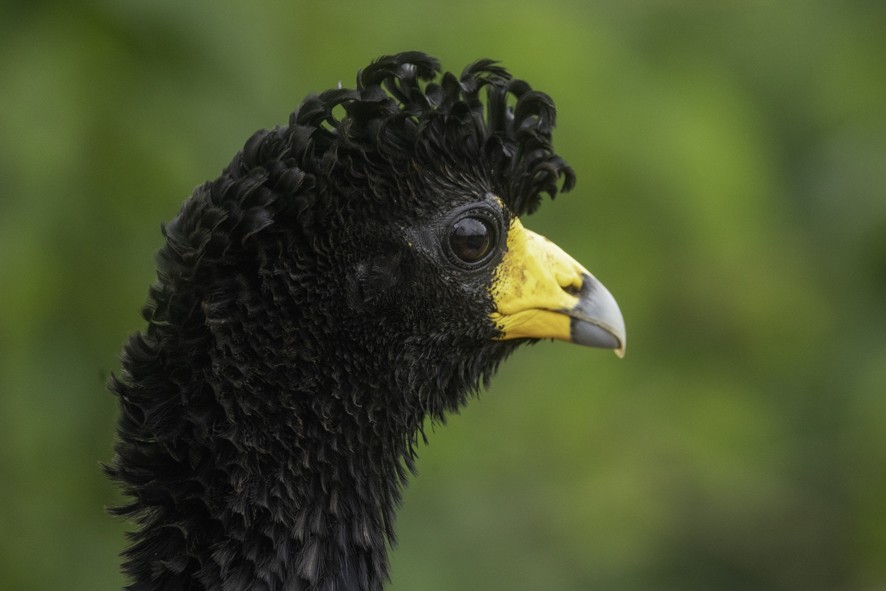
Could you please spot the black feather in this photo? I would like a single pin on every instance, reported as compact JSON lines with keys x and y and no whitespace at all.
{"x":297,"y":337}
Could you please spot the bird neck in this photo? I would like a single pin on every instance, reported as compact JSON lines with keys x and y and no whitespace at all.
{"x":237,"y":479}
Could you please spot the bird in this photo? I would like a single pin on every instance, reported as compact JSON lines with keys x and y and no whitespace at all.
{"x":349,"y":277}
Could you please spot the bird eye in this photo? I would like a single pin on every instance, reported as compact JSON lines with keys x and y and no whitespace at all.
{"x":471,"y":239}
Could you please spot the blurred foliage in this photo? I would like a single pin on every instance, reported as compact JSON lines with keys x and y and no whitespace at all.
{"x":732,"y":195}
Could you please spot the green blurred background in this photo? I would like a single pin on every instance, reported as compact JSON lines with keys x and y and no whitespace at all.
{"x":732,"y":195}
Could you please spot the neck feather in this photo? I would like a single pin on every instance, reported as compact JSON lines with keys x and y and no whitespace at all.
{"x":236,"y":481}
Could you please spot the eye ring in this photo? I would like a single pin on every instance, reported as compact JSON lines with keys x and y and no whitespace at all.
{"x":471,"y":240}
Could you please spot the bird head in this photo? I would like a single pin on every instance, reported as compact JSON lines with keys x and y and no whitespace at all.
{"x":388,"y":216}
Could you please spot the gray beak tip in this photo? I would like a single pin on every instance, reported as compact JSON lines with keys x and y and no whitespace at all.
{"x":596,"y":319}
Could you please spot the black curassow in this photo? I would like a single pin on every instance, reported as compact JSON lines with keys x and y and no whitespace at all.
{"x":345,"y":278}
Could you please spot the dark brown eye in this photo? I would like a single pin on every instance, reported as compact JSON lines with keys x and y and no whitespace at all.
{"x":471,"y":239}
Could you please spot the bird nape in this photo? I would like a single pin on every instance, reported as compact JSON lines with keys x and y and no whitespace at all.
{"x":346,"y":277}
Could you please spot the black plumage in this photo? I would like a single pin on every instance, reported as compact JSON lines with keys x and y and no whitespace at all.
{"x":311,"y":309}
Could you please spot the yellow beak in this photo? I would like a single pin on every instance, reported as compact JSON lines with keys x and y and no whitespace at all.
{"x":541,"y":292}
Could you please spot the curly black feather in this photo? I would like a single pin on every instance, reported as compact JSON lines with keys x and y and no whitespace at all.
{"x":270,"y":409}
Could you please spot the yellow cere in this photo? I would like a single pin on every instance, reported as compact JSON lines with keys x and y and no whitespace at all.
{"x":533,"y":287}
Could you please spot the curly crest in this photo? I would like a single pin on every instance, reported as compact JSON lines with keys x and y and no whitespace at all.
{"x":403,"y":115}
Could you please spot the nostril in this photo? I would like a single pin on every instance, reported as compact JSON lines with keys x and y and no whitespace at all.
{"x":572,"y":289}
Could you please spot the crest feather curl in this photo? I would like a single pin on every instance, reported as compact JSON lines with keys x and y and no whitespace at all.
{"x":407,"y":114}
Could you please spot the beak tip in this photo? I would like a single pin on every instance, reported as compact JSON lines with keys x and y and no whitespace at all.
{"x":590,"y":334}
{"x":596,"y":319}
